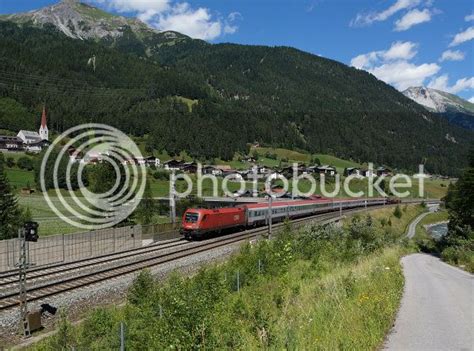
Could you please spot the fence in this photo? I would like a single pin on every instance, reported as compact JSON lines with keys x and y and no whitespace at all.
{"x":71,"y":247}
{"x":160,"y":232}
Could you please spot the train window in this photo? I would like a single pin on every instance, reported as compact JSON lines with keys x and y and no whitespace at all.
{"x":191,"y":217}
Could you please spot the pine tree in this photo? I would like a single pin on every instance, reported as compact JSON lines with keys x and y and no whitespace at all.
{"x":10,"y":214}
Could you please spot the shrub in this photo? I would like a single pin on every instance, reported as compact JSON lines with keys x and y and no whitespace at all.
{"x":25,"y":163}
{"x":161,"y":175}
{"x":141,"y":289}
{"x":10,"y":162}
{"x":397,"y":212}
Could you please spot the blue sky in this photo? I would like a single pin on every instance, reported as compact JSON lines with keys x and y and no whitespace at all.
{"x":403,"y":42}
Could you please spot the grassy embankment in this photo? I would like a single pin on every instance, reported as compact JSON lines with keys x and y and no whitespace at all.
{"x":315,"y":288}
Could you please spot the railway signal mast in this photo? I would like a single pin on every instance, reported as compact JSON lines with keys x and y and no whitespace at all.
{"x":28,"y":233}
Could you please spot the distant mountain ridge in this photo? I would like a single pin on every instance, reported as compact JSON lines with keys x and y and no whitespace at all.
{"x":277,"y":96}
{"x":458,"y":111}
{"x":81,"y":21}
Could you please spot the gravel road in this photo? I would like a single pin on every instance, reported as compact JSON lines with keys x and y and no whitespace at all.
{"x":437,"y":309}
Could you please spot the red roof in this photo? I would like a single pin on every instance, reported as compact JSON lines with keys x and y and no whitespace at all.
{"x":43,"y":118}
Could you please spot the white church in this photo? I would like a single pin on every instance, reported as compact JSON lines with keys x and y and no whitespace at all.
{"x":35,"y":141}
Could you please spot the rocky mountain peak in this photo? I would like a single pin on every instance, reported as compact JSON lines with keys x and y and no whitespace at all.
{"x":81,"y":21}
{"x":438,"y":101}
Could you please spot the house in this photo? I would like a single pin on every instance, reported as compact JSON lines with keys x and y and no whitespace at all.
{"x":173,"y":165}
{"x":211,"y":170}
{"x":233,"y":175}
{"x":37,"y":146}
{"x":249,"y":159}
{"x":152,"y":161}
{"x":351,"y":171}
{"x":367,"y":173}
{"x":74,"y":155}
{"x":189,"y":167}
{"x":326,"y":170}
{"x":224,"y":168}
{"x":382,"y":171}
{"x":11,"y":143}
{"x":289,"y":170}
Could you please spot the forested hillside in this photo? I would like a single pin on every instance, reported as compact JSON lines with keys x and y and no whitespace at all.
{"x":278,"y":96}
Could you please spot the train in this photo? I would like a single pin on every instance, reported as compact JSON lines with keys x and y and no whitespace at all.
{"x":198,"y":223}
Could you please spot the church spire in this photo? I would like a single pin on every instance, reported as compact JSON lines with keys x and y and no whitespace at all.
{"x":43,"y":131}
{"x":43,"y":117}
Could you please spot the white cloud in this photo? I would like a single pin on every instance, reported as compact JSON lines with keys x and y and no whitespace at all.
{"x":442,"y":83}
{"x":403,"y":74}
{"x":195,"y":23}
{"x":471,"y":100}
{"x":393,"y":66}
{"x":229,"y":27}
{"x":469,"y":18}
{"x":462,"y":37}
{"x":397,"y":51}
{"x":369,"y":18}
{"x":136,"y":5}
{"x":450,"y":55}
{"x":365,"y":60}
{"x":412,"y":18}
{"x":165,"y":15}
{"x":401,"y":50}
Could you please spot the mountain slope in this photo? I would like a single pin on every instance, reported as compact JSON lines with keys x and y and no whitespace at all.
{"x":458,"y":111}
{"x":277,"y":96}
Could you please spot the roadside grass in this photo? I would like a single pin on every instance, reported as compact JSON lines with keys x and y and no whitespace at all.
{"x":314,"y":288}
{"x":352,"y":308}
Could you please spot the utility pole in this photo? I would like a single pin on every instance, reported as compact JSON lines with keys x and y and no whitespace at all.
{"x":270,"y":201}
{"x":173,"y":200}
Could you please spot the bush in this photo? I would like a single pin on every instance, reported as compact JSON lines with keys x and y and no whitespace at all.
{"x":161,"y":175}
{"x":397,"y":212}
{"x":25,"y":163}
{"x":10,"y":162}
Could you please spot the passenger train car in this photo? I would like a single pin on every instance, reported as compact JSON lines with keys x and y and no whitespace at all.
{"x":196,"y":223}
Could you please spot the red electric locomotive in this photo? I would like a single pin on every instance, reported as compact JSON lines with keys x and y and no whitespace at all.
{"x":198,"y":222}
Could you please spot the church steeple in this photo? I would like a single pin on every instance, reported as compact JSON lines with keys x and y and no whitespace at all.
{"x":43,"y":131}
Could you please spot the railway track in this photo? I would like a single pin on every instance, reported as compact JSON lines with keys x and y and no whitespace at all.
{"x":47,"y":281}
{"x":36,"y":272}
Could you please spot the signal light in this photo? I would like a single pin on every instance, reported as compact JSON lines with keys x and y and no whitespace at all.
{"x":31,"y":231}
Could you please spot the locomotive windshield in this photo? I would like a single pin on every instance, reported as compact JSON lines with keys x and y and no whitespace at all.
{"x":191,"y":217}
